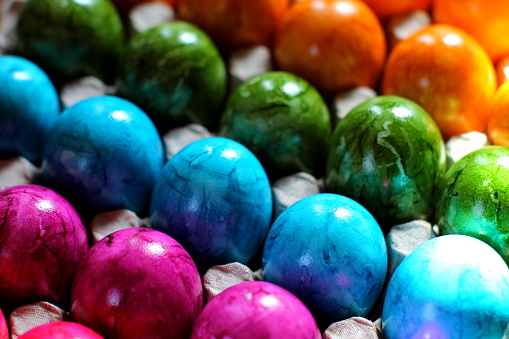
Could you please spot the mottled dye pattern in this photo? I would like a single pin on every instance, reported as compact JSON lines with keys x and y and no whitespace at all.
{"x":29,"y":106}
{"x":450,"y":287}
{"x":69,"y":38}
{"x":175,"y":73}
{"x":60,"y":330}
{"x":330,"y":252}
{"x":283,"y":120}
{"x":42,"y":241}
{"x":137,"y":283}
{"x":388,"y":155}
{"x":253,"y":310}
{"x":104,"y":153}
{"x":215,"y":199}
{"x":474,"y":196}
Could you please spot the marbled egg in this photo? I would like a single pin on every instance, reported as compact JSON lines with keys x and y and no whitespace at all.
{"x":70,"y":38}
{"x":103,"y":153}
{"x":388,"y":155}
{"x":453,"y":286}
{"x":214,"y":198}
{"x":473,"y":198}
{"x":175,"y":73}
{"x":29,"y":107}
{"x":255,"y":309}
{"x":330,"y":252}
{"x":283,"y":120}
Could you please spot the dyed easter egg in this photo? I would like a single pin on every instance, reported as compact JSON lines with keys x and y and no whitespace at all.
{"x":333,"y":44}
{"x":388,"y":155}
{"x":215,"y":199}
{"x":4,"y":328}
{"x":60,"y":330}
{"x":29,"y":106}
{"x":70,"y":38}
{"x":453,"y":287}
{"x":103,"y":153}
{"x":282,"y":119}
{"x":472,"y":196}
{"x":137,"y":283}
{"x":42,"y":241}
{"x":255,"y":309}
{"x":447,"y":72}
{"x":498,"y":123}
{"x":330,"y":252}
{"x":175,"y":73}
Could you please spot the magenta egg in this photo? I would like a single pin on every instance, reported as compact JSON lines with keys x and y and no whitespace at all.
{"x":42,"y":241}
{"x":137,"y":283}
{"x":255,"y":309}
{"x":60,"y":330}
{"x":4,"y":329}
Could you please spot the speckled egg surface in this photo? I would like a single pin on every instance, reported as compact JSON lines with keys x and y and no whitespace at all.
{"x":330,"y":252}
{"x":388,"y":155}
{"x":282,"y":119}
{"x":453,"y":286}
{"x":473,"y":196}
{"x":104,"y":153}
{"x":255,"y":309}
{"x":175,"y":73}
{"x":215,"y":199}
{"x":70,"y":38}
{"x":29,"y":106}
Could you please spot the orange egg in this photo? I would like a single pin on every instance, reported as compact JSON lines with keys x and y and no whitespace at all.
{"x":502,"y":68}
{"x":235,"y":23}
{"x":498,"y":124}
{"x":447,"y":72}
{"x":486,"y":20}
{"x":387,"y":8}
{"x":334,"y":44}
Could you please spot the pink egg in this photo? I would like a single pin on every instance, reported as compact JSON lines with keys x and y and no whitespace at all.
{"x":60,"y":330}
{"x":4,"y":330}
{"x":255,"y":309}
{"x":137,"y":283}
{"x":42,"y":241}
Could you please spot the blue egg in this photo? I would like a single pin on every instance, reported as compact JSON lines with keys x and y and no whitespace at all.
{"x":330,"y":252}
{"x":453,"y":286}
{"x":214,"y":198}
{"x":29,"y":107}
{"x":104,"y":153}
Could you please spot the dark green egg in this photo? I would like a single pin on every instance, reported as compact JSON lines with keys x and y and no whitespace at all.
{"x":175,"y":73}
{"x":388,"y":155}
{"x":474,"y":198}
{"x":71,"y":38}
{"x":282,"y":119}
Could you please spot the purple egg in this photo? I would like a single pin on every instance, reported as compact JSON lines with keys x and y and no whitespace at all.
{"x":42,"y":241}
{"x":255,"y":309}
{"x":137,"y":283}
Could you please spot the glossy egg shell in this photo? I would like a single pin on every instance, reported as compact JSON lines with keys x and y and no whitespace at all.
{"x":60,"y":330}
{"x":388,"y":155}
{"x":137,"y":283}
{"x":473,"y":195}
{"x":29,"y":106}
{"x":42,"y":241}
{"x":498,"y":123}
{"x":267,"y":310}
{"x":214,"y":198}
{"x":330,"y":252}
{"x":452,"y":286}
{"x":282,"y":119}
{"x":103,"y":153}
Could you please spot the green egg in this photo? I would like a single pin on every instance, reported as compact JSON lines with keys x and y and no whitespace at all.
{"x":71,"y":38}
{"x":474,"y":198}
{"x":388,"y":155}
{"x":175,"y":73}
{"x":283,"y":120}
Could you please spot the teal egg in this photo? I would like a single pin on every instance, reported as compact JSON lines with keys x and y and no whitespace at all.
{"x":473,"y":198}
{"x":282,"y":119}
{"x":71,"y":38}
{"x":388,"y":154}
{"x":175,"y":73}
